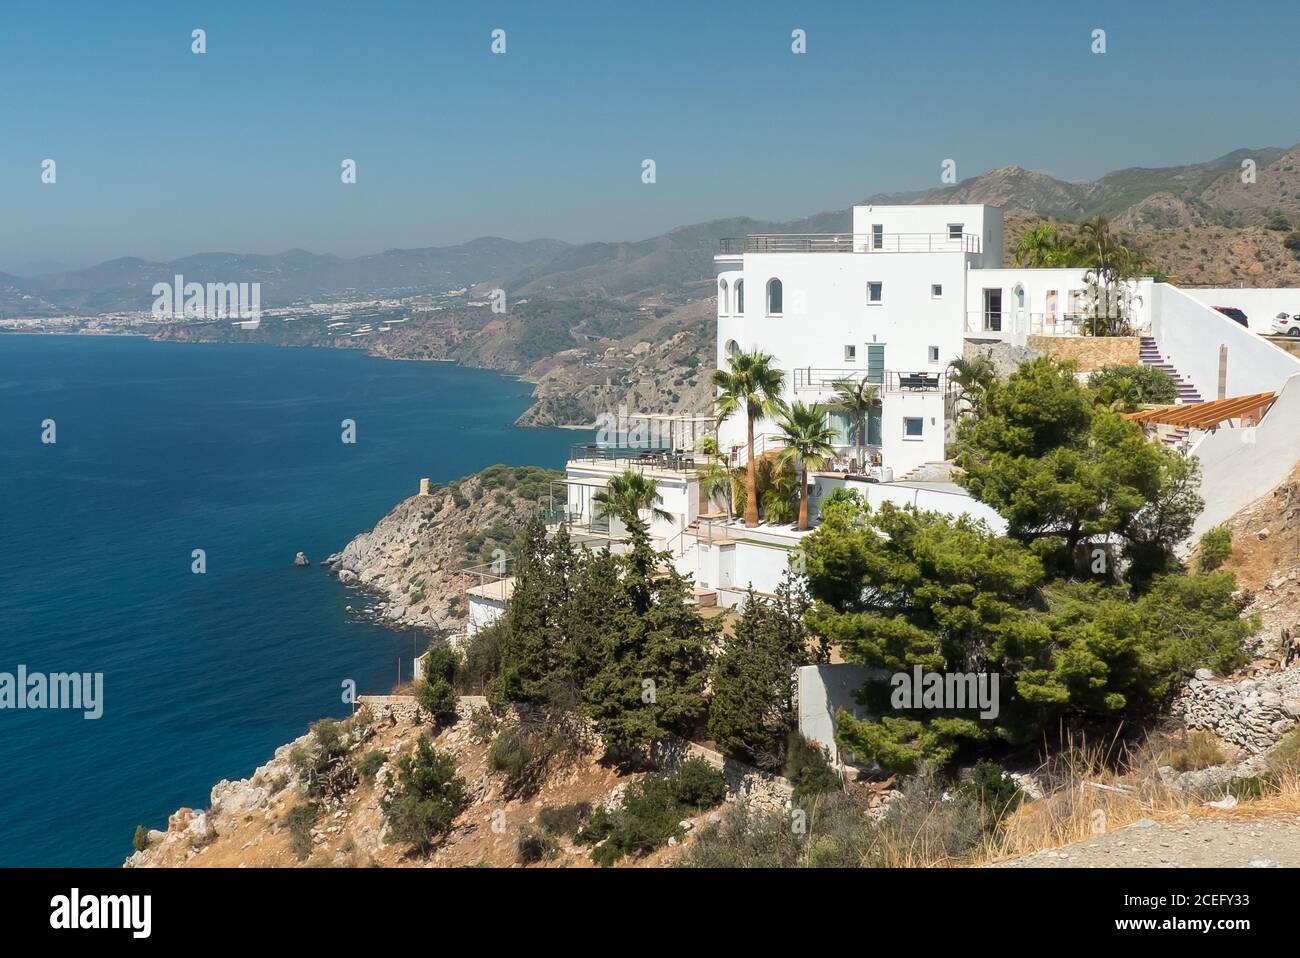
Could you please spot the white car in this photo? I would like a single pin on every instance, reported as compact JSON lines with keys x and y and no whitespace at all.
{"x":1287,"y":325}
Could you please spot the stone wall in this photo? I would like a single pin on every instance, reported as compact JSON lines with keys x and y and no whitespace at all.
{"x":1252,"y":713}
{"x":745,"y":783}
{"x":1090,"y":352}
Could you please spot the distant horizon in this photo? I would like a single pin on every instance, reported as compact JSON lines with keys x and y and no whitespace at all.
{"x":162,"y":152}
{"x":27,"y":273}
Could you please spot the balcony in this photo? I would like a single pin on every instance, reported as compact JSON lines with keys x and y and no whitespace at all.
{"x":813,"y":379}
{"x":618,"y":458}
{"x":850,"y":243}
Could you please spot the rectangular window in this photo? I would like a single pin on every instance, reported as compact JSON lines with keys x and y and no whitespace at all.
{"x":875,"y":362}
{"x":850,"y":354}
{"x":955,"y":230}
{"x":841,"y":423}
{"x":934,"y":354}
{"x":877,"y":236}
{"x":912,"y":427}
{"x":936,"y":291}
{"x":874,"y":293}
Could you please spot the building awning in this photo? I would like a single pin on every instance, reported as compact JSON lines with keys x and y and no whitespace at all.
{"x":1207,"y":415}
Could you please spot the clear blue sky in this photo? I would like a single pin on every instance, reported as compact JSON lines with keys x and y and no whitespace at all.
{"x":162,"y":153}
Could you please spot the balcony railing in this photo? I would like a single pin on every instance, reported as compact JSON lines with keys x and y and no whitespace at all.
{"x":1018,"y":321}
{"x":851,"y":243}
{"x":814,"y":379}
{"x":623,"y":457}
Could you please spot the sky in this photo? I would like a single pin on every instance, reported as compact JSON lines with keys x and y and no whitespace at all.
{"x":160,"y":152}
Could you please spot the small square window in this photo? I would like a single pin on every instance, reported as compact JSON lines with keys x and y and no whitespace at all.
{"x":955,"y":230}
{"x":850,"y":354}
{"x":936,"y":290}
{"x":874,"y":293}
{"x":934,"y":354}
{"x":913,"y":427}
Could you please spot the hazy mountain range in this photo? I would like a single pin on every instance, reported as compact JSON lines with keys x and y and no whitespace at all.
{"x":677,"y":263}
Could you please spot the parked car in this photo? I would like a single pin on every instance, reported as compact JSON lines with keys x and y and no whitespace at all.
{"x":1285,"y":325}
{"x":1234,"y":314}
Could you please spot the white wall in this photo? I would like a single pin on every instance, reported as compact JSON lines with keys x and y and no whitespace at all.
{"x":826,"y":308}
{"x":1260,"y":305}
{"x":1240,"y":465}
{"x":911,"y":223}
{"x":823,"y":690}
{"x":1033,"y":316}
{"x":1189,"y":335}
{"x":922,"y":497}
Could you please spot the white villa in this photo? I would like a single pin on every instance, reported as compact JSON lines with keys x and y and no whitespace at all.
{"x":895,"y":301}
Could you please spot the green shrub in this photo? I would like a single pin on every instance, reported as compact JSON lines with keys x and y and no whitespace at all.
{"x":299,"y":820}
{"x":368,"y":766}
{"x":524,"y":754}
{"x":1132,"y":386}
{"x":482,"y":725}
{"x":809,"y":769}
{"x":1277,"y":221}
{"x":564,"y":819}
{"x":482,"y":660}
{"x":1292,"y":241}
{"x":322,"y":763}
{"x":1216,"y":548}
{"x":994,"y":790}
{"x":535,"y":846}
{"x":435,"y":692}
{"x":599,"y":826}
{"x":141,"y":840}
{"x":428,"y":798}
{"x":697,"y":785}
{"x":1284,"y":757}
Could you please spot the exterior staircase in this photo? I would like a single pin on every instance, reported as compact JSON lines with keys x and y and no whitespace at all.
{"x":1149,"y":355}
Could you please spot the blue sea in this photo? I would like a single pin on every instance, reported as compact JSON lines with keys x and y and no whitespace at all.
{"x":166,"y":448}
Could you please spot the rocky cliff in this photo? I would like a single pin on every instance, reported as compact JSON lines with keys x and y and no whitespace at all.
{"x":414,"y":557}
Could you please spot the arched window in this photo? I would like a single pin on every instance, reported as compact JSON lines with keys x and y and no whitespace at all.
{"x":732,"y":349}
{"x":722,"y":297}
{"x":774,"y":297}
{"x":740,"y":297}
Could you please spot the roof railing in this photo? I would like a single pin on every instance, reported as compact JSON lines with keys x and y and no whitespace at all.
{"x":851,"y":243}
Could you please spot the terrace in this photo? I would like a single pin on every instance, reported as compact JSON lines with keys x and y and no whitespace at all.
{"x":815,"y":379}
{"x":876,"y":242}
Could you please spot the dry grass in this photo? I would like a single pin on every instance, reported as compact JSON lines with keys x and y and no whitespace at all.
{"x":1094,"y":788}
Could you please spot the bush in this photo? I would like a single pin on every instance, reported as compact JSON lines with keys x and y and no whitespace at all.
{"x":809,"y":769}
{"x":994,"y":790}
{"x":368,"y":766}
{"x":697,"y":784}
{"x":651,"y":812}
{"x":141,"y":840}
{"x":837,"y":835}
{"x":564,"y":819}
{"x":1132,"y":386}
{"x":1292,"y":241}
{"x":1277,"y":221}
{"x":428,"y":798}
{"x":524,"y":754}
{"x":535,"y":846}
{"x":322,"y":763}
{"x":482,"y":725}
{"x":1201,"y":750}
{"x":299,"y":820}
{"x":435,"y":691}
{"x":1284,"y":758}
{"x":1216,"y":549}
{"x":482,"y":660}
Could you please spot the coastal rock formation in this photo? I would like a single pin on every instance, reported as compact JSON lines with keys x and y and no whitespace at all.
{"x":414,"y":558}
{"x":301,"y":559}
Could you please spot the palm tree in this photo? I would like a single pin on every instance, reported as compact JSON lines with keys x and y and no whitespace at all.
{"x":808,"y":439}
{"x":715,"y":477}
{"x":858,"y":398}
{"x":626,"y":495}
{"x":754,"y":382}
{"x":972,"y":377}
{"x":1043,"y":247}
{"x":1111,"y":264}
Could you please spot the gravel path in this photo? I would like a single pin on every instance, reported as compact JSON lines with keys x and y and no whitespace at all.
{"x":1181,"y":843}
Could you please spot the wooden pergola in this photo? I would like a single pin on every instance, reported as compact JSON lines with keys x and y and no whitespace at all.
{"x":1208,"y":415}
